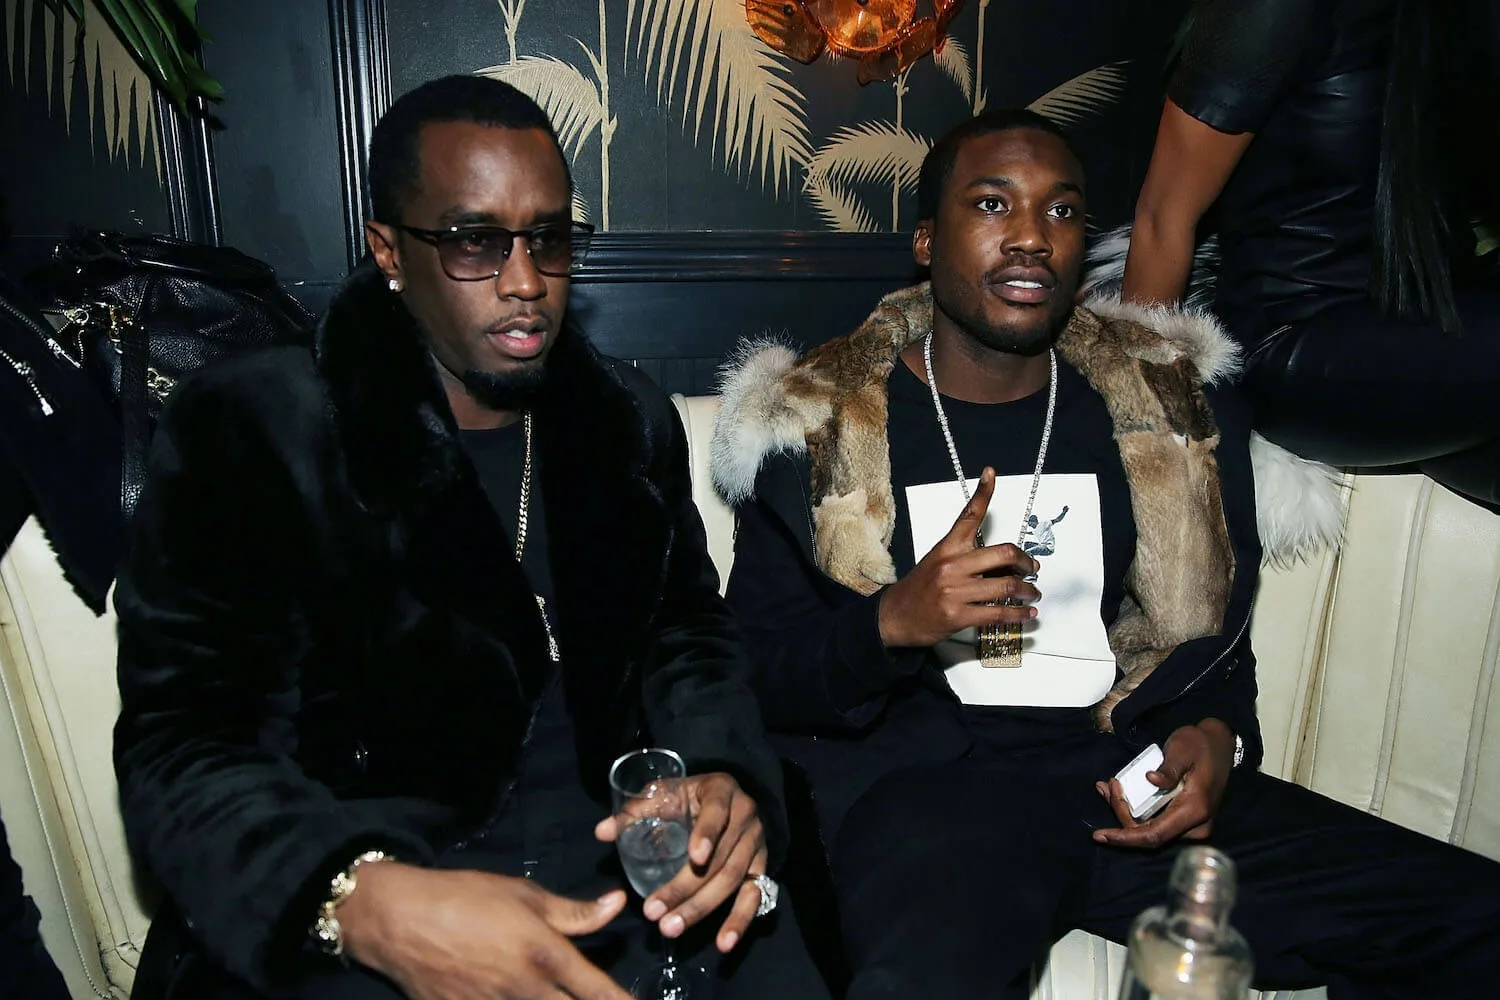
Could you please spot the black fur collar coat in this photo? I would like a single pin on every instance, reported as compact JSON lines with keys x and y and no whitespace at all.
{"x":326,"y":645}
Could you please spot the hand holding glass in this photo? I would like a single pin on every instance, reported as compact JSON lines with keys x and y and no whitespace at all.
{"x":654,"y":824}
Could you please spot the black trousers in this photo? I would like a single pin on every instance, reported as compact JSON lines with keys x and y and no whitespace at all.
{"x":954,"y":879}
{"x":771,"y":961}
{"x":26,"y":970}
{"x":1352,"y":388}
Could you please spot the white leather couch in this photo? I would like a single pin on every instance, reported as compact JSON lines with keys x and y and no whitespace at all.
{"x":1377,"y":669}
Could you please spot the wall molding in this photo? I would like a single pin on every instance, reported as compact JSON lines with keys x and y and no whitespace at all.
{"x":746,"y":256}
{"x":362,"y":89}
{"x":190,"y":181}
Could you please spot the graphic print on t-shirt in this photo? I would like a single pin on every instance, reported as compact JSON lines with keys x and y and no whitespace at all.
{"x":1065,"y":656}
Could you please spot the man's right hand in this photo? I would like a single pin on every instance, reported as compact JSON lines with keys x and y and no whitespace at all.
{"x":466,"y":935}
{"x":950,"y":589}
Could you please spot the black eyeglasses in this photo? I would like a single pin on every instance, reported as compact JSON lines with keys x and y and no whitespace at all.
{"x":474,"y":253}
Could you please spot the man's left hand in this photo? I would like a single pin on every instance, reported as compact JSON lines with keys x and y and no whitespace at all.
{"x":727,"y":847}
{"x":1200,"y":757}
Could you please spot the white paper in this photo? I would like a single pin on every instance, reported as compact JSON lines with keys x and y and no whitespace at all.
{"x":1065,"y":656}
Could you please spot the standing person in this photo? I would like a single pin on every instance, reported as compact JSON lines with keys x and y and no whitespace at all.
{"x":1336,"y":146}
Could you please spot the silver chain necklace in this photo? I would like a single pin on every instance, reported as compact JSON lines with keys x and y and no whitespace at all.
{"x":522,"y":514}
{"x":999,"y":645}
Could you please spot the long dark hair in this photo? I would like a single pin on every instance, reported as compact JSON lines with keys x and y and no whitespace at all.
{"x":1441,"y":119}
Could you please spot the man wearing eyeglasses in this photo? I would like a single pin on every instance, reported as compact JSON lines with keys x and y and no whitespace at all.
{"x":381,"y":633}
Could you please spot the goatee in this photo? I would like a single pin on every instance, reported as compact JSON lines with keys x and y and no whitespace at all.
{"x":521,"y":389}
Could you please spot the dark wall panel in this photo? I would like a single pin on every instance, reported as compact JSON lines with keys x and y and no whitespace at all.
{"x":277,"y":159}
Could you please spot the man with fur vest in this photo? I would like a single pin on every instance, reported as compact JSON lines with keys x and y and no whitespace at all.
{"x":960,"y":707}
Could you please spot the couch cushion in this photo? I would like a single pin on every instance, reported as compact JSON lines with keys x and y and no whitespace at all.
{"x":58,"y":661}
{"x":1376,"y":667}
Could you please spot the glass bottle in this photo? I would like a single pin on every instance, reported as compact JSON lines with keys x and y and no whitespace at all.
{"x":1186,"y":950}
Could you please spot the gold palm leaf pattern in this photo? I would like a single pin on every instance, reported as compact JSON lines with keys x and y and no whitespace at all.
{"x":512,"y":10}
{"x":1085,"y":94}
{"x":954,"y":61}
{"x":840,"y":209}
{"x":569,"y":98}
{"x":883,"y":153}
{"x":707,"y":60}
{"x":867,"y":154}
{"x":118,"y":91}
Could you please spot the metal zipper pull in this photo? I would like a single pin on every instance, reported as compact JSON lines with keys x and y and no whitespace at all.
{"x":24,"y":370}
{"x":40,"y":329}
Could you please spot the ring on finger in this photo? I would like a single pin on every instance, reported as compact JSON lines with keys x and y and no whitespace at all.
{"x":770,"y":893}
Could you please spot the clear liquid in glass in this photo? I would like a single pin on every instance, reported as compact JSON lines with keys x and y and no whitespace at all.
{"x":652,"y":851}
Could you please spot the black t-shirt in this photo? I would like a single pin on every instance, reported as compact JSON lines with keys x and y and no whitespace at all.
{"x":1006,"y":436}
{"x":499,"y":458}
{"x":1296,"y":219}
{"x":546,"y":829}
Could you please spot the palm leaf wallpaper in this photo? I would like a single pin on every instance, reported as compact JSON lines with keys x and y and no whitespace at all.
{"x":675,"y":116}
{"x":116,"y":99}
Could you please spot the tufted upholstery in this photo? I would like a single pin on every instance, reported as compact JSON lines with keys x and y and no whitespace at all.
{"x":1377,"y":671}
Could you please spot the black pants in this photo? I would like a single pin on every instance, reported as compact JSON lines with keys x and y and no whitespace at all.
{"x":1352,"y":388}
{"x":771,"y":961}
{"x":26,"y":970}
{"x":954,"y":879}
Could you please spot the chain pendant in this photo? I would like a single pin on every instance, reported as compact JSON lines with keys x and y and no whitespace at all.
{"x":997,"y":645}
{"x":1000,"y":645}
{"x":522,"y":518}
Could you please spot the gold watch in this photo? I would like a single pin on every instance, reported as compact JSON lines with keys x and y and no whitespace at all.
{"x":326,"y":930}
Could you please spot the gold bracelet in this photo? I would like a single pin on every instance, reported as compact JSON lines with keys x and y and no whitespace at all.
{"x":326,"y":930}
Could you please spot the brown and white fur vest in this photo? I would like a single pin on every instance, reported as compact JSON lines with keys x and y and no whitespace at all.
{"x":1149,"y":365}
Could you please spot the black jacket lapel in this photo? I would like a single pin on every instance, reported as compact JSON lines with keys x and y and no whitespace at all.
{"x":407,"y":466}
{"x":609,"y":537}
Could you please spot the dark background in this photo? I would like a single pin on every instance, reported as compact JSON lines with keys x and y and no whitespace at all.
{"x":304,"y":80}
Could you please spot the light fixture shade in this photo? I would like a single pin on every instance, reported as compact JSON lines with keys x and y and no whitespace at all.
{"x":885,"y":36}
{"x":859,"y":27}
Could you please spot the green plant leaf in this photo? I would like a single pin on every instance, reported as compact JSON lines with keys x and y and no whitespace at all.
{"x":153,"y":35}
{"x":163,"y":24}
{"x":164,"y":68}
{"x":189,"y":10}
{"x":1487,"y":239}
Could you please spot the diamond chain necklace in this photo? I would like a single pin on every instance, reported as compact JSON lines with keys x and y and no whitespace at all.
{"x":1000,"y":644}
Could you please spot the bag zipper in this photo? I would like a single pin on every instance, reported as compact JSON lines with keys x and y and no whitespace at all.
{"x":41,"y":331}
{"x":24,"y":370}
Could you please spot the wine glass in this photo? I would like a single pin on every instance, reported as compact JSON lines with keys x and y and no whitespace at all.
{"x":651,"y":808}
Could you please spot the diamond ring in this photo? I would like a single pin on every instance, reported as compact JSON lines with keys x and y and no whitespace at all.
{"x":770,"y":893}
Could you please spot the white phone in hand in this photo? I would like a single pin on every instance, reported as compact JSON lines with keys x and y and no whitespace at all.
{"x":1144,"y":799}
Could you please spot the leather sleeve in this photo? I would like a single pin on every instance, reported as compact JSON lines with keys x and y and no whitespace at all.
{"x":211,"y":643}
{"x":696,"y":688}
{"x":1239,"y":59}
